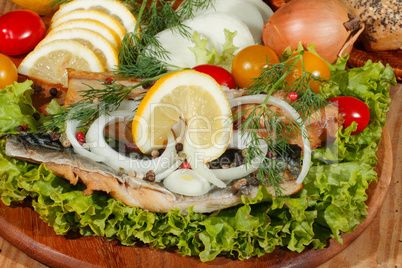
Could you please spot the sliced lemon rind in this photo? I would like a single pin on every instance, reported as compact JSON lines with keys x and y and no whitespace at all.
{"x":92,"y":25}
{"x":112,"y":23}
{"x":127,"y":19}
{"x":73,"y":47}
{"x":97,"y":40}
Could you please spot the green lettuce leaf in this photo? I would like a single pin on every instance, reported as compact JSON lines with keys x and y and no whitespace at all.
{"x":204,"y":55}
{"x":16,"y":108}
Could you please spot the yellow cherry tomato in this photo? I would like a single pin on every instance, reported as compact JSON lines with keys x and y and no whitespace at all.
{"x":248,"y":63}
{"x":8,"y":71}
{"x":312,"y":64}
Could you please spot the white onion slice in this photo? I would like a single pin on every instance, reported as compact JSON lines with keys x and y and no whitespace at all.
{"x":164,"y":174}
{"x":197,"y":164}
{"x":71,"y":132}
{"x":96,"y":141}
{"x":187,"y":182}
{"x":129,"y":105}
{"x":239,"y":142}
{"x":293,"y":113}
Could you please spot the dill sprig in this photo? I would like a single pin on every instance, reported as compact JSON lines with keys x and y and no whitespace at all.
{"x":141,"y":54}
{"x":94,"y":103}
{"x":276,"y":129}
{"x":54,"y":3}
{"x":189,"y":7}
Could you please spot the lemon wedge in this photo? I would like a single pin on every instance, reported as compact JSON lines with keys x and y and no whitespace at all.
{"x":50,"y":61}
{"x":94,"y":41}
{"x":92,"y":25}
{"x":112,"y":23}
{"x":113,"y":8}
{"x":193,"y":98}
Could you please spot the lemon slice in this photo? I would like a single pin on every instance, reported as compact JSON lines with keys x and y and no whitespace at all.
{"x":112,"y":8}
{"x":189,"y":96}
{"x":92,"y":25}
{"x":94,"y":41}
{"x":50,"y":61}
{"x":94,"y":15}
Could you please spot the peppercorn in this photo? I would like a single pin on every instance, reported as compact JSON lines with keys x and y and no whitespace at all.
{"x":179,"y":147}
{"x":240,"y":184}
{"x":293,"y":96}
{"x":36,"y":116}
{"x":182,"y":157}
{"x":37,"y":88}
{"x":254,"y":182}
{"x":80,"y":137}
{"x":185,"y":165}
{"x":53,"y":92}
{"x":244,"y":152}
{"x":54,"y":136}
{"x":19,"y":128}
{"x":150,"y":176}
{"x":154,"y":153}
{"x":121,"y":171}
{"x":108,"y":81}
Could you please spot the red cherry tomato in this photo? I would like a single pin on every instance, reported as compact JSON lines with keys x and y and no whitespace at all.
{"x":220,"y":74}
{"x":20,"y":32}
{"x":352,"y":109}
{"x":248,"y":63}
{"x":8,"y":71}
{"x":312,"y":64}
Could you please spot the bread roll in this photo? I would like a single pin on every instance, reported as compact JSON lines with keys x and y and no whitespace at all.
{"x":383,"y":20}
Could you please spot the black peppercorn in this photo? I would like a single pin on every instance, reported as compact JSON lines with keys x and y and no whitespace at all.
{"x":179,"y":147}
{"x":53,"y":91}
{"x":36,"y":116}
{"x":19,"y":128}
{"x":37,"y":88}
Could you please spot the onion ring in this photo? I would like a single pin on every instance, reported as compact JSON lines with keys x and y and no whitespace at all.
{"x":71,"y":130}
{"x":241,"y":171}
{"x":251,"y":99}
{"x":114,"y":159}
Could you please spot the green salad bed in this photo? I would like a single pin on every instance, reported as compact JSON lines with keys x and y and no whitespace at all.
{"x":332,"y":201}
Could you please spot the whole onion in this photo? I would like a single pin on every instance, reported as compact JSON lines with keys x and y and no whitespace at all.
{"x":312,"y":21}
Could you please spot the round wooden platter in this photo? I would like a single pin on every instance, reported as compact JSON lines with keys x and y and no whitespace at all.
{"x":23,"y":228}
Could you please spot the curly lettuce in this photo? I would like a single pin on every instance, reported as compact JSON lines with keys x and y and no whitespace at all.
{"x":203,"y":55}
{"x":16,"y":108}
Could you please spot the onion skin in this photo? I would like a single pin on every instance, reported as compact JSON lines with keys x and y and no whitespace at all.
{"x":308,"y":21}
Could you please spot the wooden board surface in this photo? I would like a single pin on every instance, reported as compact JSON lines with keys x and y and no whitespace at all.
{"x":378,"y":245}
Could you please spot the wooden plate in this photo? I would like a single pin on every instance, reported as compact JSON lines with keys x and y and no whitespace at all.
{"x":22,"y":227}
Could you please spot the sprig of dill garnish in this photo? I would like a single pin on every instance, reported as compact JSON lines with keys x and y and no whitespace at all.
{"x":54,"y":3}
{"x":265,"y":123}
{"x":94,"y":103}
{"x":141,"y":54}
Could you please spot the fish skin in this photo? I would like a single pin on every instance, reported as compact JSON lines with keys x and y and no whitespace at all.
{"x":64,"y":162}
